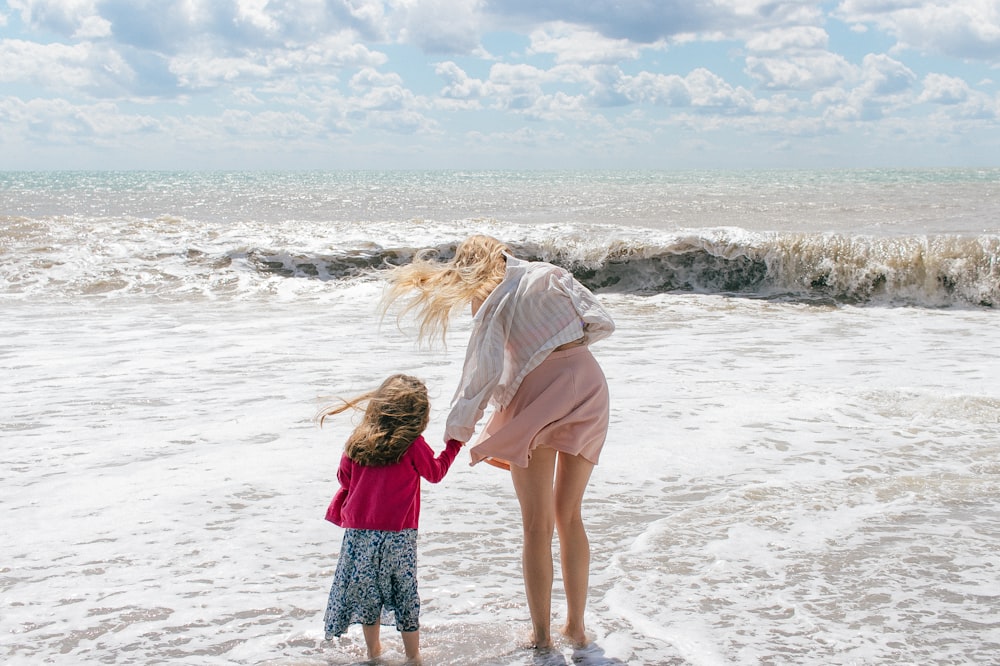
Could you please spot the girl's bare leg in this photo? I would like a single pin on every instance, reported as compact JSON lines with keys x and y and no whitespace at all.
{"x":572,"y":477}
{"x":533,"y":486}
{"x":411,"y":645}
{"x":372,"y":641}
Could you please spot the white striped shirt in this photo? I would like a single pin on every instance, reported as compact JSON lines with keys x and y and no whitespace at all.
{"x":535,"y":309}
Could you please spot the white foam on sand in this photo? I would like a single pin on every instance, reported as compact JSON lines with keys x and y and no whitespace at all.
{"x":782,"y":484}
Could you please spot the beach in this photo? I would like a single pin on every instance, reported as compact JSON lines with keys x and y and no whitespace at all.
{"x":801,"y":467}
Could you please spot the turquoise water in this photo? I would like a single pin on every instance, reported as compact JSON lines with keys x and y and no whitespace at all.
{"x":882,"y":201}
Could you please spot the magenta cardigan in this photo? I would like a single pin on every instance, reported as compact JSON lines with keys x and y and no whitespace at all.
{"x":388,"y":497}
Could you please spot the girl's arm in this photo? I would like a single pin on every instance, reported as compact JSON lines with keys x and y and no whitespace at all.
{"x":334,"y":512}
{"x":427,"y":465}
{"x":344,"y":472}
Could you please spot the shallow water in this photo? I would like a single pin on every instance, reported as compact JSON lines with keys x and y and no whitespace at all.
{"x":783,"y":483}
{"x":802,"y":466}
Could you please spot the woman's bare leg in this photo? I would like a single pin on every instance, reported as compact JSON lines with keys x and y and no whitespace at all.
{"x":372,"y":641}
{"x":533,"y":486}
{"x":572,"y":477}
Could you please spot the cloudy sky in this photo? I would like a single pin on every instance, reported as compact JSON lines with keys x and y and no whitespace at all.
{"x":665,"y":84}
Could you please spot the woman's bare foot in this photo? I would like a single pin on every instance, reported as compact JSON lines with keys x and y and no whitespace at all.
{"x":577,"y":637}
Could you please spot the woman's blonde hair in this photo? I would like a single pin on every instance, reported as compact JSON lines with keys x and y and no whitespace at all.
{"x":434,"y":289}
{"x":396,"y":413}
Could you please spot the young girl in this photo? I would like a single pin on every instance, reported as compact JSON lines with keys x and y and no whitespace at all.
{"x":379,"y":505}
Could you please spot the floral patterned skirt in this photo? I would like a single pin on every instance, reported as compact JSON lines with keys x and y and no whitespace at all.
{"x":375,"y":582}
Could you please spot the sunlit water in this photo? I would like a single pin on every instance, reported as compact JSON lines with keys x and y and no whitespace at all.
{"x":792,"y":479}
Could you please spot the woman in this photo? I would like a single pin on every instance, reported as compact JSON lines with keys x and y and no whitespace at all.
{"x":528,"y":355}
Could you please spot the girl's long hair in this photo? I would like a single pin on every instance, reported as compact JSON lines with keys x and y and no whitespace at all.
{"x":396,"y":413}
{"x":432,"y":289}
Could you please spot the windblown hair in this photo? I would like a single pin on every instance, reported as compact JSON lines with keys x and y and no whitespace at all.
{"x":396,"y":413}
{"x":432,"y":289}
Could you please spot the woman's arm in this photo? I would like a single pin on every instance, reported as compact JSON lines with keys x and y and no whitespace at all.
{"x":482,"y":370}
{"x":597,"y":323}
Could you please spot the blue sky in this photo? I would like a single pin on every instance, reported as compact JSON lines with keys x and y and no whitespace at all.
{"x":464,"y":84}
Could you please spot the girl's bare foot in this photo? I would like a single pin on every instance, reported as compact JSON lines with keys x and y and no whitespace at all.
{"x":534,"y":644}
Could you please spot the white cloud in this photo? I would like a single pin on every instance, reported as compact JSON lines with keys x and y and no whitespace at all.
{"x":804,"y":71}
{"x":371,"y":78}
{"x":93,"y":27}
{"x":401,"y":122}
{"x":792,"y":39}
{"x":60,"y":16}
{"x":557,"y":107}
{"x":85,"y":66}
{"x":657,"y":89}
{"x":58,"y":121}
{"x":439,"y":26}
{"x":458,"y":84}
{"x":958,"y":100}
{"x":885,"y":76}
{"x":268,"y":124}
{"x":574,"y":45}
{"x":385,"y":104}
{"x":604,"y":72}
{"x":254,"y":13}
{"x":942,"y":89}
{"x":778,"y":105}
{"x":710,"y":91}
{"x":526,"y":137}
{"x":368,"y":13}
{"x":651,"y":21}
{"x":335,"y":51}
{"x":523,"y":89}
{"x":503,"y":73}
{"x":387,"y":98}
{"x":966,"y":29}
{"x":796,"y":58}
{"x":886,"y":86}
{"x":979,"y":107}
{"x":700,"y":89}
{"x":197,"y":70}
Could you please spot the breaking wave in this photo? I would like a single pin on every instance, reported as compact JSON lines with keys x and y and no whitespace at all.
{"x":923,"y":271}
{"x":170,"y":257}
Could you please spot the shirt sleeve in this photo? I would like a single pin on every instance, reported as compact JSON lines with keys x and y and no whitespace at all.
{"x":427,"y":465}
{"x":597,"y":323}
{"x":483,"y":368}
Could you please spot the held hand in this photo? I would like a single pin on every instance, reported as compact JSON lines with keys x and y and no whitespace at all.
{"x":460,"y":444}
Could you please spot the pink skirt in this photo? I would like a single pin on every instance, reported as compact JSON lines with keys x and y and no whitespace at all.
{"x":562,"y":404}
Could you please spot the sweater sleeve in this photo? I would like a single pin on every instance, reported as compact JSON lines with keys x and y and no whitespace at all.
{"x":335,"y":511}
{"x":427,"y":465}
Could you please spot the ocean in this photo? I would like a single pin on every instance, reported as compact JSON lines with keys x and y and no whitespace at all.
{"x":802,"y":467}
